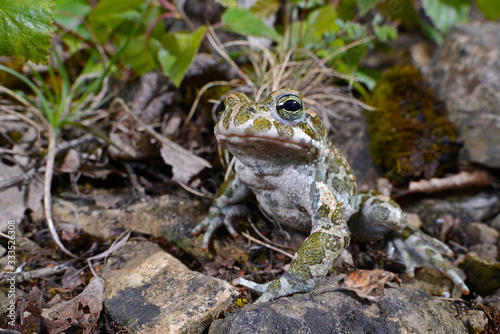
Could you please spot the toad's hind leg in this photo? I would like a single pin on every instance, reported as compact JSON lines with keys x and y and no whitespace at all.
{"x":378,"y":214}
{"x":311,"y":262}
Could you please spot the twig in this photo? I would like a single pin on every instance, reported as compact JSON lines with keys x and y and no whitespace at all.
{"x":138,"y":188}
{"x":27,"y":275}
{"x":65,"y":146}
{"x":17,"y":179}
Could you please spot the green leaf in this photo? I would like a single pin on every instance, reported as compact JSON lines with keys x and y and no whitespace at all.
{"x":244,"y":22}
{"x":386,"y":32}
{"x":138,"y":56}
{"x":366,"y":5}
{"x":490,"y":8}
{"x":400,"y":10}
{"x":228,"y":3}
{"x":432,"y":33}
{"x":109,"y":14}
{"x":445,"y":13}
{"x":25,"y":27}
{"x":265,"y":8}
{"x":179,"y":52}
{"x":70,"y":13}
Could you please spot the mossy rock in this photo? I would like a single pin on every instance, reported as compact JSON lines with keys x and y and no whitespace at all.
{"x":483,"y":276}
{"x":410,"y":137}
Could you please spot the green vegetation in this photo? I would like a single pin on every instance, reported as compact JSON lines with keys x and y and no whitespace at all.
{"x":410,"y":138}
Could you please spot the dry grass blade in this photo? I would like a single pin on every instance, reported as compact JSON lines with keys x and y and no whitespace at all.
{"x":200,"y":93}
{"x":119,"y":242}
{"x":265,"y":244}
{"x":47,"y":195}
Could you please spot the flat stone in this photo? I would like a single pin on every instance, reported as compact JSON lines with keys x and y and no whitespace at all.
{"x":479,"y":207}
{"x":479,"y":233}
{"x":495,"y":222}
{"x":166,"y":216}
{"x":403,"y":310}
{"x":485,"y":251}
{"x":149,"y":291}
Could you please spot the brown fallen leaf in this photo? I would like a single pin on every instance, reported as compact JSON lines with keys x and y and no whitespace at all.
{"x":369,"y":284}
{"x":34,"y":322}
{"x":83,"y":310}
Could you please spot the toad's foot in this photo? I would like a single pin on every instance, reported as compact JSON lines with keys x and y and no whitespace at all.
{"x":419,"y":249}
{"x":275,"y":289}
{"x":219,"y":216}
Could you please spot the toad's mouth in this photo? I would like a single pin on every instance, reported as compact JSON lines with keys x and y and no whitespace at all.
{"x":260,"y":140}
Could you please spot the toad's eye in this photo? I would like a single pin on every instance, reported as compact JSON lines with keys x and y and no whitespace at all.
{"x":221,"y":107}
{"x":290,"y":107}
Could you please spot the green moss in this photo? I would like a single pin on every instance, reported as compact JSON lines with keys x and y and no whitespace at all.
{"x":410,"y":137}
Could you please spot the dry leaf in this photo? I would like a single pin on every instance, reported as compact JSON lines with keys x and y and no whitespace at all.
{"x":71,"y":162}
{"x":15,"y":200}
{"x":184,"y":163}
{"x":85,"y":308}
{"x":370,"y":284}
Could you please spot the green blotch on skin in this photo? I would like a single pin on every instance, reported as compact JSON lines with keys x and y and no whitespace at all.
{"x":337,"y":217}
{"x":243,"y":115}
{"x":283,"y":130}
{"x":308,"y":130}
{"x":318,"y":126}
{"x":226,"y":121}
{"x":225,"y":188}
{"x":323,"y":211}
{"x":260,"y":125}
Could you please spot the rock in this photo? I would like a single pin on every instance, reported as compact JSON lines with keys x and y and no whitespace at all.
{"x":403,"y":310}
{"x":165,"y":216}
{"x":493,"y":300}
{"x":434,"y":282}
{"x":483,"y":276}
{"x":495,"y":222}
{"x":476,"y":321}
{"x":485,"y":251}
{"x":479,"y":233}
{"x":149,"y":291}
{"x":465,"y":73}
{"x":477,"y":208}
{"x":354,"y":141}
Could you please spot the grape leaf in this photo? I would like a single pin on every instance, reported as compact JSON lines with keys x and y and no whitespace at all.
{"x":244,"y":22}
{"x":109,"y":14}
{"x":490,"y":8}
{"x":25,"y":27}
{"x":445,"y":13}
{"x":366,"y":5}
{"x":179,"y":52}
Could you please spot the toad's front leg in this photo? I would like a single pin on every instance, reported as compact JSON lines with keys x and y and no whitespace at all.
{"x":328,"y":239}
{"x":224,"y":209}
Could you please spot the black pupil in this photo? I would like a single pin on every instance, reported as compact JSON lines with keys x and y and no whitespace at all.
{"x":221,"y":107}
{"x":291,"y":105}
